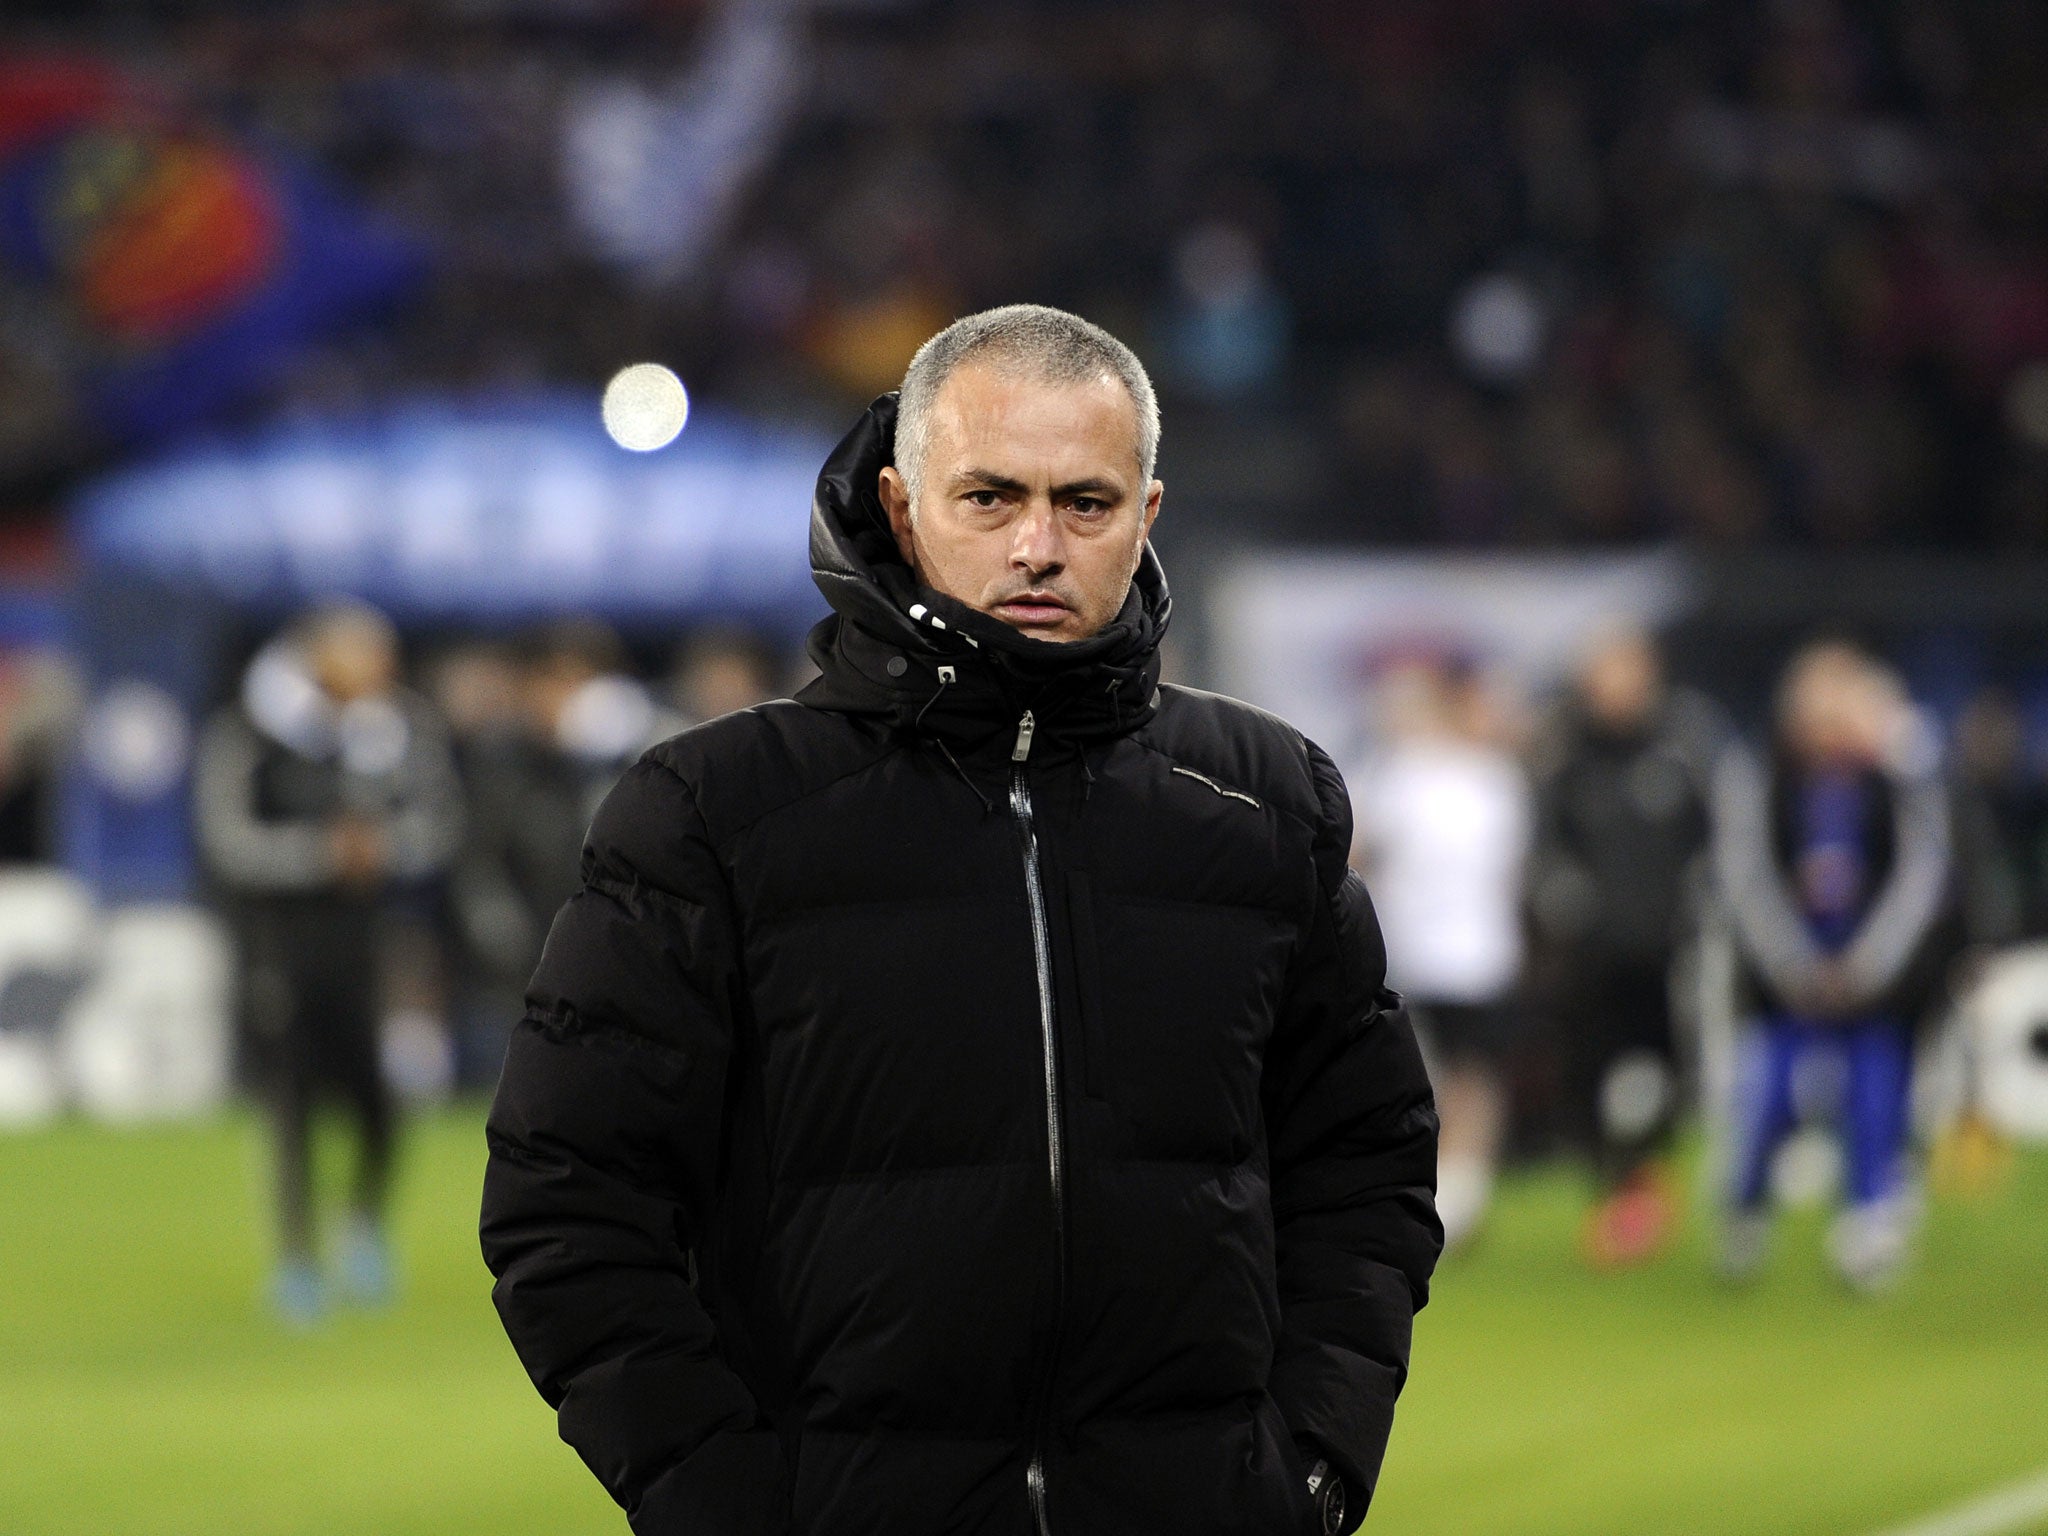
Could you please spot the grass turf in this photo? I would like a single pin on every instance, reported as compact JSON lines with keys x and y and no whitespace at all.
{"x":146,"y":1391}
{"x":1549,"y":1400}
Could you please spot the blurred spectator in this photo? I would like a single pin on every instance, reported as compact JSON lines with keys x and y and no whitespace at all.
{"x":1443,"y":820}
{"x":542,"y":736}
{"x":38,"y":705}
{"x":719,"y":671}
{"x":492,"y":941}
{"x":1623,"y":779}
{"x":323,"y":789}
{"x":1834,"y":859}
{"x":2002,"y":823}
{"x":1224,"y":326}
{"x":1721,"y":274}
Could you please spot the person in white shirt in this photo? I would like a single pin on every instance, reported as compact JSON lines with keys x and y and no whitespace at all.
{"x":1444,"y":821}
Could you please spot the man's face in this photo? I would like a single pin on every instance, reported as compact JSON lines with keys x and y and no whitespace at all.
{"x":353,"y":661}
{"x":1030,"y":508}
{"x":1826,"y":718}
{"x":1621,"y":681}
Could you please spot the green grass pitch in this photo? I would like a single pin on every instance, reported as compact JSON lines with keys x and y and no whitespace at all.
{"x":145,"y":1390}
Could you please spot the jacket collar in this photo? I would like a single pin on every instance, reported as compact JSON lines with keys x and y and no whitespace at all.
{"x":933,"y":666}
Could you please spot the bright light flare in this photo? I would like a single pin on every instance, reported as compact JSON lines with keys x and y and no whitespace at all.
{"x":645,"y":406}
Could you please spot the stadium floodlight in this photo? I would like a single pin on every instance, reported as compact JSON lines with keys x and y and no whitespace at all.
{"x":645,"y":406}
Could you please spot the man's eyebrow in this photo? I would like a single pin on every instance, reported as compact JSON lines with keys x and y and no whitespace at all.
{"x":1089,"y":485}
{"x":1086,"y":486}
{"x":992,"y":481}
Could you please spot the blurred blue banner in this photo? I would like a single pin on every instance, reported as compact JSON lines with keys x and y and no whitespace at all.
{"x":492,"y":512}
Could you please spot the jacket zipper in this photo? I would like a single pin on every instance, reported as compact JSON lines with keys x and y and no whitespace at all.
{"x":1055,"y":1151}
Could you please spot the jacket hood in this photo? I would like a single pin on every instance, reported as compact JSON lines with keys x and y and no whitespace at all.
{"x":895,"y":647}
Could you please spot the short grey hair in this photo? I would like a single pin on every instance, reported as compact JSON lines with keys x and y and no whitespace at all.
{"x":1030,"y":339}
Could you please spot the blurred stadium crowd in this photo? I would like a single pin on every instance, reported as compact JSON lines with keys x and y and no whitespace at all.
{"x":1471,"y":273}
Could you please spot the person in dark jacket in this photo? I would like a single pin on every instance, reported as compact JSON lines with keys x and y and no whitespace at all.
{"x":321,"y":790}
{"x":1624,"y":777}
{"x":533,"y":779}
{"x":965,"y":1098}
{"x":2001,"y":823}
{"x":1834,"y":859}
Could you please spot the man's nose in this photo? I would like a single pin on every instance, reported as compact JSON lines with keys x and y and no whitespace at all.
{"x":1037,"y":544}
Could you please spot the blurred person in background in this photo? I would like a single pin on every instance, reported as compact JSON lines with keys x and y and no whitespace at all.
{"x":719,"y":671}
{"x":1444,"y":822}
{"x":1623,"y":781}
{"x":2001,"y":823}
{"x":1833,"y":856}
{"x":566,"y":717}
{"x":38,"y":707}
{"x":964,"y":1098}
{"x":1222,"y":323}
{"x":487,"y":936}
{"x":323,"y":789}
{"x":2001,"y":879}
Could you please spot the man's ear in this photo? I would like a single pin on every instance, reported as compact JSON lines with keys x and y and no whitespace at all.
{"x":1152,"y":499}
{"x":895,"y":498}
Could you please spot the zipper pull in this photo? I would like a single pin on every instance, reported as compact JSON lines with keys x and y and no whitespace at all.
{"x":1025,"y":727}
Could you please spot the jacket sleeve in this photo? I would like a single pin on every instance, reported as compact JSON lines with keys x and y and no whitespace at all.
{"x":604,"y":1143}
{"x":1765,"y":913}
{"x":1352,"y":1129}
{"x":1896,"y":927}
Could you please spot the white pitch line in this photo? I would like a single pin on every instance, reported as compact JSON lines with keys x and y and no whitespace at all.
{"x":1999,"y":1511}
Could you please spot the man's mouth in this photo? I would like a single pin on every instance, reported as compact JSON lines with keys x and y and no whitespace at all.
{"x":1029,"y":609}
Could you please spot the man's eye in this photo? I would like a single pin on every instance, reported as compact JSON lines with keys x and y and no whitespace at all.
{"x":987,"y":499}
{"x":1089,"y":506}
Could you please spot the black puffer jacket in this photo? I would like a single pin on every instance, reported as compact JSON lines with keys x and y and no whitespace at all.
{"x":964,"y":1099}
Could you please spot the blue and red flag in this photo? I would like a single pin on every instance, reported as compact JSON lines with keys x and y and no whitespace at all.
{"x":188,"y":269}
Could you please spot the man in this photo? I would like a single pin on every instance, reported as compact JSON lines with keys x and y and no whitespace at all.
{"x":1623,"y":779}
{"x":322,"y":789}
{"x":1835,"y":863}
{"x":963,"y":1099}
